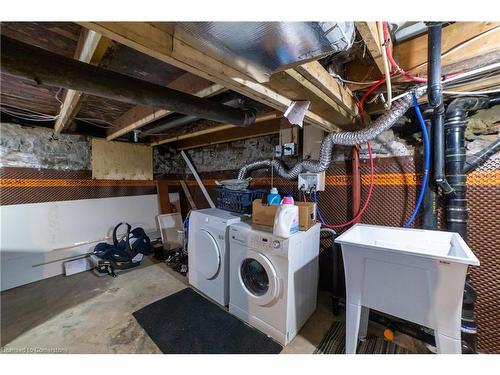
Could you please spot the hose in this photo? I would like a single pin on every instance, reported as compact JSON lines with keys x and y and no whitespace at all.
{"x":427,"y":162}
{"x":382,"y":123}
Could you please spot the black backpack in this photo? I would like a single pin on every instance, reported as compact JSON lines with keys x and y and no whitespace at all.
{"x":124,"y":254}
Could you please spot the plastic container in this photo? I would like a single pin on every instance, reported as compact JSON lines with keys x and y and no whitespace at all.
{"x":417,"y":275}
{"x":239,"y":201}
{"x":273,"y":198}
{"x":286,"y":220}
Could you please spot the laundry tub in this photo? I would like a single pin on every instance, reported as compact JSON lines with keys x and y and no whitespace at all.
{"x":414,"y":274}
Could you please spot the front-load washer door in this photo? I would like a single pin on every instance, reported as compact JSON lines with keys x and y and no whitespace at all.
{"x":258,"y":279}
{"x":206,"y":255}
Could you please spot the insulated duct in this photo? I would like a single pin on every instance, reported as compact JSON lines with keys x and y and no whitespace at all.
{"x":382,"y":123}
{"x":230,"y":99}
{"x":264,"y":48}
{"x":47,"y":68}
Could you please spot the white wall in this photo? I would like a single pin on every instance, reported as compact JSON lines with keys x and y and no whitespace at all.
{"x":32,"y":235}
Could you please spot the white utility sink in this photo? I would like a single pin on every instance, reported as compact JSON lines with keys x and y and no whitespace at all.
{"x":417,"y":275}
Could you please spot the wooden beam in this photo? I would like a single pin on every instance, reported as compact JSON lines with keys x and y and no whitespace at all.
{"x":140,"y":116}
{"x":90,"y":49}
{"x":144,"y":38}
{"x":460,"y":41}
{"x":369,"y":33}
{"x":232,"y":134}
{"x":319,"y":77}
{"x":477,"y":38}
{"x":164,"y":206}
{"x":188,"y":194}
{"x":214,"y":129}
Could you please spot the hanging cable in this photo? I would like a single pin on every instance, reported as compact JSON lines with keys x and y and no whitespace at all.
{"x":427,"y":161}
{"x":387,"y":66}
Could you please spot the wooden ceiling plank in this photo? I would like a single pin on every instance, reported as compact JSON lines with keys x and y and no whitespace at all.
{"x":318,"y":76}
{"x":460,"y":41}
{"x":412,"y":54}
{"x":369,"y":33}
{"x":90,"y":49}
{"x":141,"y":36}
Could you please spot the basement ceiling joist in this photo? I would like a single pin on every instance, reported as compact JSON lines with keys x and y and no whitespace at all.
{"x":369,"y":33}
{"x":90,"y":49}
{"x":461,"y":41}
{"x":163,"y":44}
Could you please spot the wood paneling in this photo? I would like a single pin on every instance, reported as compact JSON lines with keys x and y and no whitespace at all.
{"x":120,"y":160}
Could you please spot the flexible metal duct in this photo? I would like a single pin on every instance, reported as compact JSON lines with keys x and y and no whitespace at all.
{"x":384,"y":122}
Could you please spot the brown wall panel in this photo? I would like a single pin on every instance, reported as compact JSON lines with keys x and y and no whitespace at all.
{"x":27,"y":185}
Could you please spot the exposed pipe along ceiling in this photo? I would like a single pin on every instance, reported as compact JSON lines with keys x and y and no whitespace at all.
{"x":52,"y":69}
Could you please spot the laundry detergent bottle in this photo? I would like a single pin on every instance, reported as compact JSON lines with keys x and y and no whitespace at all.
{"x":273,"y":198}
{"x":286,"y":220}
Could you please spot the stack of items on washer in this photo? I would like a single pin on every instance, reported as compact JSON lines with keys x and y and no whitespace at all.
{"x":266,"y":276}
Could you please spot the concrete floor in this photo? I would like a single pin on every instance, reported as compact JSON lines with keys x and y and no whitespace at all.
{"x":88,"y":314}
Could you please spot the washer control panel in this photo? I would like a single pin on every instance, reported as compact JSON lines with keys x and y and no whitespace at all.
{"x":265,"y":243}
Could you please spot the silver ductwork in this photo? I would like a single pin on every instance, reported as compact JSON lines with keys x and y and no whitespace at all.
{"x":263,"y":48}
{"x":382,"y":123}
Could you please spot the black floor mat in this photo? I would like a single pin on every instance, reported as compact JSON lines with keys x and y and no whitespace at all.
{"x":186,"y":322}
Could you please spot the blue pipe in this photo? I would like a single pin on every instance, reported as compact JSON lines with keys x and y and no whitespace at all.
{"x":427,"y":161}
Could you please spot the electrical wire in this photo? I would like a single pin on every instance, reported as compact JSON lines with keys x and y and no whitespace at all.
{"x":427,"y":162}
{"x":468,"y":93}
{"x":343,"y":80}
{"x":30,"y":115}
{"x":393,"y":62}
{"x":387,"y":67}
{"x":472,"y":72}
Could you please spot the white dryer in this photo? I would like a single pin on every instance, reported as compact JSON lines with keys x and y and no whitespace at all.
{"x":208,"y":255}
{"x":274,"y":281}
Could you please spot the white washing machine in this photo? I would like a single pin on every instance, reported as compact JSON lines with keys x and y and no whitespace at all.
{"x":208,"y":255}
{"x":274,"y":281}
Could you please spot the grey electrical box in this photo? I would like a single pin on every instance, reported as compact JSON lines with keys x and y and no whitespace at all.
{"x":277,"y":151}
{"x":289,"y":149}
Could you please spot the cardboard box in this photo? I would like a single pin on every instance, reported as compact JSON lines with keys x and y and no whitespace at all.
{"x":307,"y":214}
{"x":263,"y":214}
